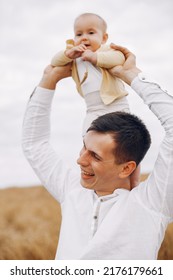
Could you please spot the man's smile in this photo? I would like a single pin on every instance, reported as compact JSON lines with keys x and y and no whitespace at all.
{"x":86,"y":174}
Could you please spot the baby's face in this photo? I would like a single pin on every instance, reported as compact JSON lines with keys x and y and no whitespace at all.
{"x":88,"y":31}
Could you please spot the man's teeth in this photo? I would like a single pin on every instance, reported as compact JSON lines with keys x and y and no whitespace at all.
{"x":87,"y":173}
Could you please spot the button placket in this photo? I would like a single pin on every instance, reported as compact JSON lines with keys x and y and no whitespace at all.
{"x":95,"y":216}
{"x":99,"y":212}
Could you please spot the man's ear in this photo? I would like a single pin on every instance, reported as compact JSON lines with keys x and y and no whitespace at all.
{"x":105,"y":38}
{"x":127,"y":169}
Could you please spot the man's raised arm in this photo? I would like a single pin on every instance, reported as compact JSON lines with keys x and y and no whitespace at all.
{"x":52,"y":75}
{"x":158,"y":188}
{"x":36,"y":132}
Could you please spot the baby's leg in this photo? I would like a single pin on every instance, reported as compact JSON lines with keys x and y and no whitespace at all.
{"x":135,"y":177}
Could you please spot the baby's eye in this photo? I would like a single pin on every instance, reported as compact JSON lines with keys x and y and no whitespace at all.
{"x":91,"y":32}
{"x":78,"y":34}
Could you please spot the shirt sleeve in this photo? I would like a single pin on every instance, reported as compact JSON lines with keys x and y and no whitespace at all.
{"x":49,"y":167}
{"x":157,"y":190}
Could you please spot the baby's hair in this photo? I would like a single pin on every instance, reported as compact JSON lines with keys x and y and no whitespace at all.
{"x":103,"y":22}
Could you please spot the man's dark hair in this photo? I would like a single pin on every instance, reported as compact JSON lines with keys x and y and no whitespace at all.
{"x":130,"y":134}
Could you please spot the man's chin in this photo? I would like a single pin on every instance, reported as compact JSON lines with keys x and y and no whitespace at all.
{"x":86,"y":185}
{"x":83,"y":184}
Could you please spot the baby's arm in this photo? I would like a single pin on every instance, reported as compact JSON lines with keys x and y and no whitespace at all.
{"x":108,"y":58}
{"x":75,"y":51}
{"x":90,"y":56}
{"x":64,"y":57}
{"x":60,"y":59}
{"x":105,"y":57}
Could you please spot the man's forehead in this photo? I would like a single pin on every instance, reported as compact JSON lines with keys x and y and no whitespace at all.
{"x":94,"y":139}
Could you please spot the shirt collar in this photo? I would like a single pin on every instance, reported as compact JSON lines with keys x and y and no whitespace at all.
{"x":116,"y":193}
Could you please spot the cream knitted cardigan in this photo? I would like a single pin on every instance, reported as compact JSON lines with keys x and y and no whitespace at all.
{"x":111,"y":88}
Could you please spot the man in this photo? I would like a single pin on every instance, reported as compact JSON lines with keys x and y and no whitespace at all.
{"x":102,"y":218}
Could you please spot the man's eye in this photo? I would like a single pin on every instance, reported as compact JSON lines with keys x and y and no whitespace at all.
{"x":95,"y":156}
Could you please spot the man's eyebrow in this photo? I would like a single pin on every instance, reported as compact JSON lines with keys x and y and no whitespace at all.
{"x":93,"y":152}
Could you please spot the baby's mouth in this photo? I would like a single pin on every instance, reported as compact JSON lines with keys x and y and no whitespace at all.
{"x":87,"y":45}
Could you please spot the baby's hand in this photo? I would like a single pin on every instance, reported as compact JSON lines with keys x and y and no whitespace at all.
{"x":90,"y":56}
{"x":76,"y":51}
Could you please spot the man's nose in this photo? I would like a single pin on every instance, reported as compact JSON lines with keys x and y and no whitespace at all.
{"x":83,"y":158}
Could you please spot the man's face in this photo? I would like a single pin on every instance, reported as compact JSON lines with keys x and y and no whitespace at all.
{"x":99,"y":171}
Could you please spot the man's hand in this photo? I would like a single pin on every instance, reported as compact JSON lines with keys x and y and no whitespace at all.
{"x":128,"y":71}
{"x":53,"y":74}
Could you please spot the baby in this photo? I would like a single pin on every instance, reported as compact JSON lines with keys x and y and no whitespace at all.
{"x":91,"y":59}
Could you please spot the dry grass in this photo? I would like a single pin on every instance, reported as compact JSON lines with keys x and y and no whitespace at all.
{"x":29,"y":225}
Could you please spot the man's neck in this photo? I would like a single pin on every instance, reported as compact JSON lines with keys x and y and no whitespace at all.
{"x":123,"y":184}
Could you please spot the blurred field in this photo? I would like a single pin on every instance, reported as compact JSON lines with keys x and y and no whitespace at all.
{"x":29,"y":225}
